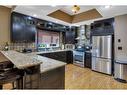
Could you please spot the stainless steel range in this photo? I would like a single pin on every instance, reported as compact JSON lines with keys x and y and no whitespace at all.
{"x":78,"y":56}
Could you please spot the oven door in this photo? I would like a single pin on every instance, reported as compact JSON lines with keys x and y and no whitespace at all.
{"x":78,"y":58}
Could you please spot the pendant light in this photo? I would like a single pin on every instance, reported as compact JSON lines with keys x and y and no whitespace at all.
{"x":75,"y":8}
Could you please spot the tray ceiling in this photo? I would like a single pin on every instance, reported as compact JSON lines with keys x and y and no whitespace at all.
{"x":43,"y":11}
{"x":82,"y":16}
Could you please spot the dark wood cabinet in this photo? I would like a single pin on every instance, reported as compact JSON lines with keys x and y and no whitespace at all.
{"x":26,"y":27}
{"x":88,"y":59}
{"x":103,"y":27}
{"x":64,"y":56}
{"x":70,"y":35}
{"x":69,"y":57}
{"x":54,"y":79}
{"x":50,"y":26}
{"x":31,"y":78}
{"x":22,"y":28}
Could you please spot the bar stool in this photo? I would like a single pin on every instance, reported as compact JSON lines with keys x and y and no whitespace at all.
{"x":10,"y":76}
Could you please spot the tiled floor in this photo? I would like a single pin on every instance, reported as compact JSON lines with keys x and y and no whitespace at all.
{"x":83,"y":78}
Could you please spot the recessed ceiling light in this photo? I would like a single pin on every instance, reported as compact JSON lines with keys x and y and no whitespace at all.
{"x":107,"y":6}
{"x":56,"y":21}
{"x":34,"y":15}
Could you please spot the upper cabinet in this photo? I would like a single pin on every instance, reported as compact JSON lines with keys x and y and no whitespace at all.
{"x":46,"y":25}
{"x":70,"y":35}
{"x":22,"y":28}
{"x":103,"y":27}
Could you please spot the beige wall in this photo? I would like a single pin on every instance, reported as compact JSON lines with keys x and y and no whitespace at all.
{"x":121,"y":33}
{"x":5,"y":14}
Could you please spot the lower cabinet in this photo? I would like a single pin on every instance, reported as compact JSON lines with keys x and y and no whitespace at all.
{"x":69,"y":57}
{"x":31,"y":78}
{"x":31,"y":81}
{"x":54,"y":79}
{"x":64,"y":56}
{"x":88,"y":59}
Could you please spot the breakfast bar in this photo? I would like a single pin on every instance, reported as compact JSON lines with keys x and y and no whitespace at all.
{"x":39,"y":72}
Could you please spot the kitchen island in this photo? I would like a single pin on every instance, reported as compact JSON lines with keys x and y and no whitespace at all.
{"x":52,"y":71}
{"x":39,"y":72}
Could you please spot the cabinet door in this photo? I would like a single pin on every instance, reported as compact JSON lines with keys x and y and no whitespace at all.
{"x":54,"y":79}
{"x":70,"y":37}
{"x":69,"y":57}
{"x":88,"y":60}
{"x":61,"y":56}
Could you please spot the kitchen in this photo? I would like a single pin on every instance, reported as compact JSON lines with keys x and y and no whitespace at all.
{"x":63,"y":47}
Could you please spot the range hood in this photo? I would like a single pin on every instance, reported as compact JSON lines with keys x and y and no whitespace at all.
{"x":81,"y":38}
{"x":81,"y":35}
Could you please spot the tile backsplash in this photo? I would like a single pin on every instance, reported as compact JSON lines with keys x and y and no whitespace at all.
{"x":19,"y":46}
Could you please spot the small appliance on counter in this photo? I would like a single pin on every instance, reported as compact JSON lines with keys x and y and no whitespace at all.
{"x":41,"y":47}
{"x":69,"y":46}
{"x":26,"y":50}
{"x":120,"y":71}
{"x":6,"y":47}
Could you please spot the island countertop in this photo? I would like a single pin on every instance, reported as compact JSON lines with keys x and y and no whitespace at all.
{"x":21,"y":60}
{"x":48,"y":63}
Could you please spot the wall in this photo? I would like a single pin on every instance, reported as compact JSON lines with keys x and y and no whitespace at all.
{"x":5,"y":14}
{"x":121,"y":33}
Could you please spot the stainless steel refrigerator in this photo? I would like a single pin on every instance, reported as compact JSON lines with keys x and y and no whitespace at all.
{"x":102,"y":54}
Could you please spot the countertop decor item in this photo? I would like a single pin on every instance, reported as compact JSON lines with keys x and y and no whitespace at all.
{"x":6,"y":46}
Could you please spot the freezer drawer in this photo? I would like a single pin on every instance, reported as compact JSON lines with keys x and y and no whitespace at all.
{"x":101,"y":65}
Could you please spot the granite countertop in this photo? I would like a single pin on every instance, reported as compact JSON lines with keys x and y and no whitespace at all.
{"x":40,"y":52}
{"x":3,"y":58}
{"x":21,"y":60}
{"x":48,"y":63}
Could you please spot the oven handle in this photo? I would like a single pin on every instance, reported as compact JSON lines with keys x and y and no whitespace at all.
{"x":78,"y":60}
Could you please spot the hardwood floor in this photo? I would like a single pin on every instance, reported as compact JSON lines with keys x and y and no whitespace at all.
{"x":83,"y":78}
{"x":7,"y":86}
